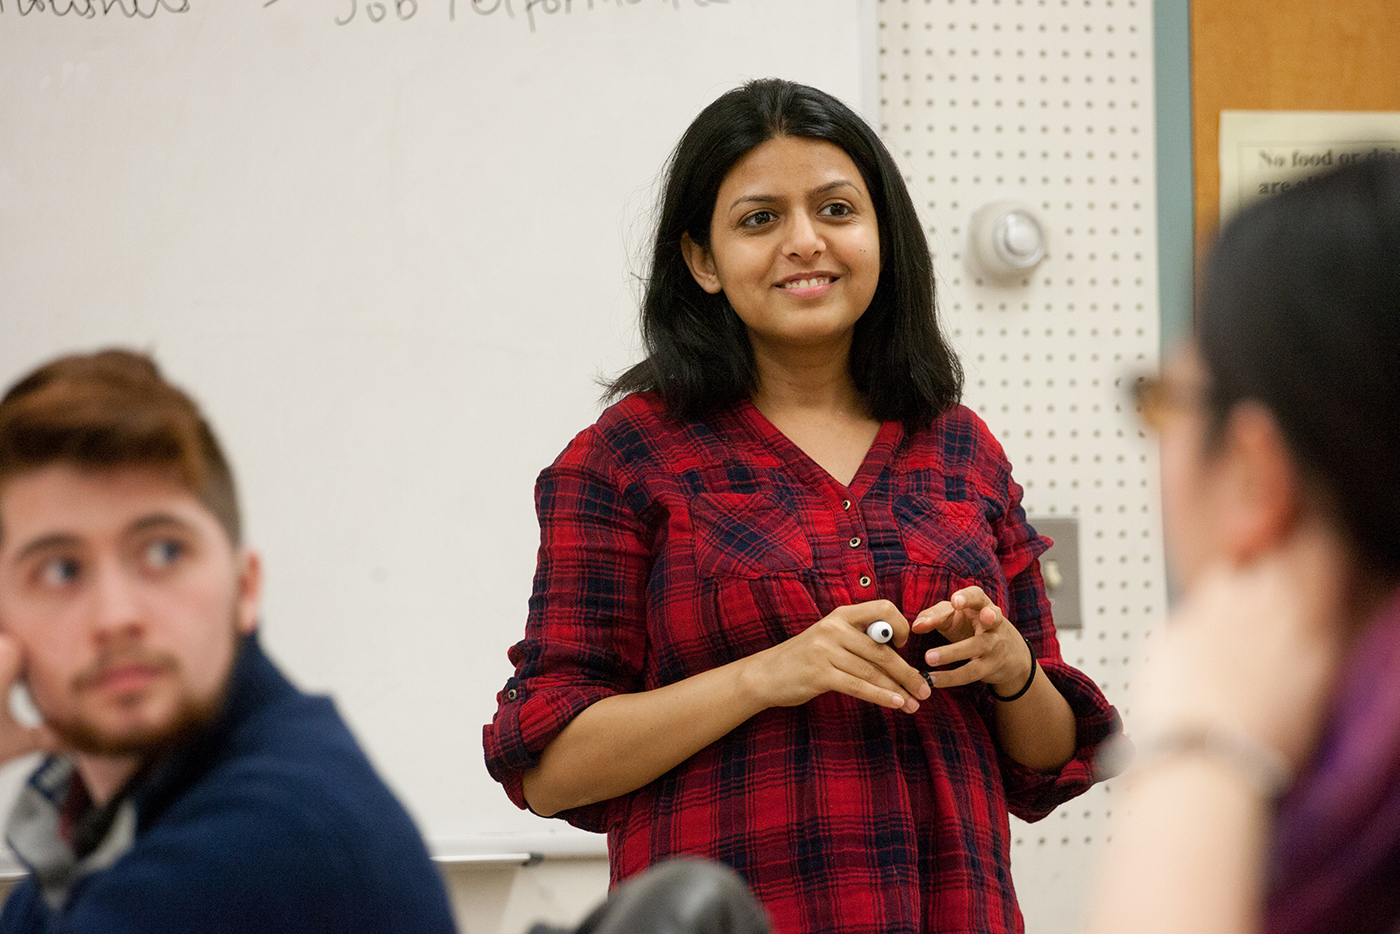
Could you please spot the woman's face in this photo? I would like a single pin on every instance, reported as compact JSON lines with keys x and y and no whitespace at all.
{"x":794,"y":245}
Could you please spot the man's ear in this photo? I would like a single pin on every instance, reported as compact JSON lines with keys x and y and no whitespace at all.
{"x":1262,"y":491}
{"x":702,"y":265}
{"x":249,"y":596}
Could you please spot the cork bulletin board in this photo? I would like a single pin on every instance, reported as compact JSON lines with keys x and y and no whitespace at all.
{"x":1284,"y":55}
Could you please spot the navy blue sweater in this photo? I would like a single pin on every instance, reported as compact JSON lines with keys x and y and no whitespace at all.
{"x":271,"y":819}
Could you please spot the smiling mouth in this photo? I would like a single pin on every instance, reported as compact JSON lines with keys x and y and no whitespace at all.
{"x":812,"y":283}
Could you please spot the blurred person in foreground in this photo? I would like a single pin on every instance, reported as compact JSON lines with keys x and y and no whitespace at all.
{"x":1266,"y":792}
{"x":189,"y":786}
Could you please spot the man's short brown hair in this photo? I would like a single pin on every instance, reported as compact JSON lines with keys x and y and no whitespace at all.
{"x":113,"y":409}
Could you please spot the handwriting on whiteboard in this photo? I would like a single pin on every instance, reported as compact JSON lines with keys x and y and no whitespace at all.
{"x":534,"y":8}
{"x":378,"y":11}
{"x":369,"y":11}
{"x":91,"y":9}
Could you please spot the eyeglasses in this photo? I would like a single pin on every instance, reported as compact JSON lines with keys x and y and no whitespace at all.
{"x":1157,"y":399}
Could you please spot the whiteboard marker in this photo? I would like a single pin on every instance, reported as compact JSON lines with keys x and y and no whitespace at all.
{"x":880,"y":631}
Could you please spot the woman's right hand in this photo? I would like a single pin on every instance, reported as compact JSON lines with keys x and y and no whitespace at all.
{"x":836,"y":654}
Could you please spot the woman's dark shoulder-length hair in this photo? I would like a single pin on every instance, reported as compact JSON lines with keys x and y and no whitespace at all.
{"x":698,"y":356}
{"x":1300,"y":311}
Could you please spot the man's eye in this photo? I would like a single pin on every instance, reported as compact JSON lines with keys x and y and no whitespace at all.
{"x":163,"y":553}
{"x":59,"y":572}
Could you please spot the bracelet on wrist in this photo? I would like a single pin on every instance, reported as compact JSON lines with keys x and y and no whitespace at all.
{"x":1029,"y":681}
{"x":1262,"y":767}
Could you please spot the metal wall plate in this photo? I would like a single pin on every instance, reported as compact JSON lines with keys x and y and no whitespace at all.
{"x":1060,"y":568}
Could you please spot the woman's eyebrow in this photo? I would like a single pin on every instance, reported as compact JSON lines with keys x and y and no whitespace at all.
{"x":831,"y":186}
{"x":769,"y":199}
{"x":760,"y":199}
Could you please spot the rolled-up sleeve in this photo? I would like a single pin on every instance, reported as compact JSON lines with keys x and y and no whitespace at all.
{"x":1030,"y":793}
{"x":585,"y":636}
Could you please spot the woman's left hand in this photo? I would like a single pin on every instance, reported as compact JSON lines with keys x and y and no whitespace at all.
{"x":978,"y":633}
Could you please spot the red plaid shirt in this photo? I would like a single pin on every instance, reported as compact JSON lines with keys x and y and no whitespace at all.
{"x":669,"y":549}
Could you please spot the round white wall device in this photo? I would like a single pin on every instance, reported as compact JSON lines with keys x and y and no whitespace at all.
{"x":1006,"y":241}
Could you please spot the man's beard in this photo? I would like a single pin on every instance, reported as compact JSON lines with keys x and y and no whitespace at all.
{"x":190,"y":714}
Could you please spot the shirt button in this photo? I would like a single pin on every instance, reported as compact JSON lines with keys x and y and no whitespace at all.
{"x":855,"y":542}
{"x":845,"y":504}
{"x":865,"y":580}
{"x":511,"y":694}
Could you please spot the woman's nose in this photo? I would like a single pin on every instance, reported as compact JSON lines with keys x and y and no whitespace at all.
{"x":804,"y":239}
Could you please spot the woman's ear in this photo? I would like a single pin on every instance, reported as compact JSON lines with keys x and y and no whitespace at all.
{"x":702,"y":265}
{"x":1263,"y":491}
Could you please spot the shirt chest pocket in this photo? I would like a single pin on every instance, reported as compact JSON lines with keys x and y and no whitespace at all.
{"x":953,"y":536}
{"x":747,"y":536}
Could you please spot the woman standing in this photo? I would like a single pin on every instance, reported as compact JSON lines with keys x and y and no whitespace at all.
{"x":787,"y":466}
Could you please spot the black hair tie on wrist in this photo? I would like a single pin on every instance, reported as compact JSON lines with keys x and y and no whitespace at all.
{"x":1025,"y":687}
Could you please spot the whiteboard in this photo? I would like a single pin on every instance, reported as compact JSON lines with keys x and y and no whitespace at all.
{"x":389,"y":246}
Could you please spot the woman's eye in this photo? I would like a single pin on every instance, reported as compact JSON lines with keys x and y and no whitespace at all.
{"x":758,"y":219}
{"x":837,"y":209}
{"x":58,"y":572}
{"x":163,"y":553}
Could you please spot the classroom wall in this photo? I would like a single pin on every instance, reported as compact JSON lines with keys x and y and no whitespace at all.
{"x":1049,"y":102}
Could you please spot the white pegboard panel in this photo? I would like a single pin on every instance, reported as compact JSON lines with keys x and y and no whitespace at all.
{"x":1050,"y":102}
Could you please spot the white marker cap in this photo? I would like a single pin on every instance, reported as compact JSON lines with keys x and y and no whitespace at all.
{"x":880,"y":631}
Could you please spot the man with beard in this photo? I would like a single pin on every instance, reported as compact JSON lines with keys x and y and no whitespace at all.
{"x":188,"y":786}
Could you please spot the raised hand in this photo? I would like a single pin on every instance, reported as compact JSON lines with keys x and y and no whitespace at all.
{"x":1254,"y":649}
